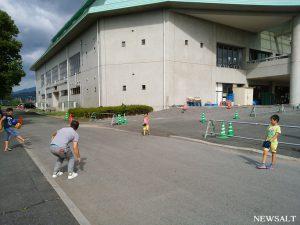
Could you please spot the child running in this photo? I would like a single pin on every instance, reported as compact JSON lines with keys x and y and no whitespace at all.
{"x":146,"y":130}
{"x":7,"y":119}
{"x":271,"y":142}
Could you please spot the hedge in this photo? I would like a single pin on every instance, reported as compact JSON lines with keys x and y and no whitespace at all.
{"x":127,"y":109}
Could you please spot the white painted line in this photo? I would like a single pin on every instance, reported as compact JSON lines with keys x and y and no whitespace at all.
{"x":81,"y":219}
{"x":231,"y":147}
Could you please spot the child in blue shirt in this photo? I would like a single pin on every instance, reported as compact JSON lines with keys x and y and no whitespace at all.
{"x":6,"y":120}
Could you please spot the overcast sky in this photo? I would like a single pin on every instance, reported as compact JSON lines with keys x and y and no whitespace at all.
{"x":38,"y":21}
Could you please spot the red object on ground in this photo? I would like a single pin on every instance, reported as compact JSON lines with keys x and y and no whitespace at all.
{"x":70,"y":118}
{"x":20,"y":120}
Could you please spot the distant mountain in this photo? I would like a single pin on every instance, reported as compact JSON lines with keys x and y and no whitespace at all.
{"x":32,"y":89}
{"x":27,"y":95}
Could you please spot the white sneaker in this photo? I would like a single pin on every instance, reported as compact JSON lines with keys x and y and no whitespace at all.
{"x":72,"y":175}
{"x":56,"y":174}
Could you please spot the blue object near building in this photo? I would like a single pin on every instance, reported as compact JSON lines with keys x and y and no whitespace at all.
{"x":230,"y":97}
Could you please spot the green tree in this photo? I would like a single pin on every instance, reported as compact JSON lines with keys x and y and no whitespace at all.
{"x":11,"y":70}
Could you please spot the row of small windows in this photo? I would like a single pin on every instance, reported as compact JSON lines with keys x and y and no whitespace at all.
{"x":74,"y":91}
{"x":59,"y":72}
{"x":143,"y":42}
{"x":186,"y":42}
{"x":125,"y":87}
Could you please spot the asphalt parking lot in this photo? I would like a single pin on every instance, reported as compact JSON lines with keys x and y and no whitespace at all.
{"x":172,"y":122}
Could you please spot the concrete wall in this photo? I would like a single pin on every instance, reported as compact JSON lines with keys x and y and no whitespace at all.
{"x":85,"y":44}
{"x":190,"y":70}
{"x":266,"y":69}
{"x":189,"y":67}
{"x":135,"y":64}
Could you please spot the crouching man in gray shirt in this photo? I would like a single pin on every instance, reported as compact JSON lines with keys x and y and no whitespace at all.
{"x":60,"y":148}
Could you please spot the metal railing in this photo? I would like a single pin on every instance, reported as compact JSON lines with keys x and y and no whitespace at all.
{"x":279,"y":109}
{"x":211,"y":130}
{"x":96,"y":116}
{"x":269,"y":59}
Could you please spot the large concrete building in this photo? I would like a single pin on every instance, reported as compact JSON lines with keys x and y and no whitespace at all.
{"x":158,"y":53}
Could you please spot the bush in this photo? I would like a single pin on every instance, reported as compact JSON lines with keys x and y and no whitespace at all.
{"x":123,"y":109}
{"x":29,"y":105}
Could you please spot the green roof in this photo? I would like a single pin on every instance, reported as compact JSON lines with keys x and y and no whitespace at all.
{"x":91,"y":7}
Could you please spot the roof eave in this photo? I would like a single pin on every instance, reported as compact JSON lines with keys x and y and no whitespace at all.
{"x":153,"y":5}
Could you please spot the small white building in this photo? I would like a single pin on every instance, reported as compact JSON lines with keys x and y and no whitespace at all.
{"x":158,"y":53}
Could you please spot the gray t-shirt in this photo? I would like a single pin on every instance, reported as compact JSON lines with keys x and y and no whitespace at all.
{"x":64,"y":136}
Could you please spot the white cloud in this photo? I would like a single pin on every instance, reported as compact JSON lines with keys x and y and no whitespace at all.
{"x":38,"y":21}
{"x":29,"y":16}
{"x":32,"y":56}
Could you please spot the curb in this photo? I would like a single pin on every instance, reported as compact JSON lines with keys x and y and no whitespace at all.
{"x":231,"y":147}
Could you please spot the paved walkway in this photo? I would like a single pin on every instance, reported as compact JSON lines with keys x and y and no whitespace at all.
{"x":25,"y":195}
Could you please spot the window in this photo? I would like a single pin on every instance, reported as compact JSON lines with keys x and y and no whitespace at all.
{"x":48,"y":78}
{"x":43,"y":96}
{"x":63,"y":70}
{"x":39,"y":92}
{"x":123,"y":43}
{"x":124,"y":87}
{"x":143,"y":41}
{"x":49,"y":95}
{"x":143,"y":87}
{"x":75,"y":91}
{"x":74,"y":64}
{"x":186,"y":42}
{"x":42,"y":80}
{"x":64,"y":93}
{"x":258,"y":55}
{"x":54,"y":74}
{"x":229,"y":56}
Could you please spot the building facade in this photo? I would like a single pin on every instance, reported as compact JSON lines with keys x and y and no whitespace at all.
{"x":162,"y":53}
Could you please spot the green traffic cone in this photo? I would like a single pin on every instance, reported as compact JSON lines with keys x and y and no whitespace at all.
{"x":236,"y":116}
{"x":203,"y":120}
{"x":222,"y":134}
{"x":119,"y":119}
{"x":67,"y":117}
{"x":124,"y":119}
{"x":230,"y":130}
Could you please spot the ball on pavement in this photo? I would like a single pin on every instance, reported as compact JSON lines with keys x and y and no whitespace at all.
{"x":18,"y":126}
